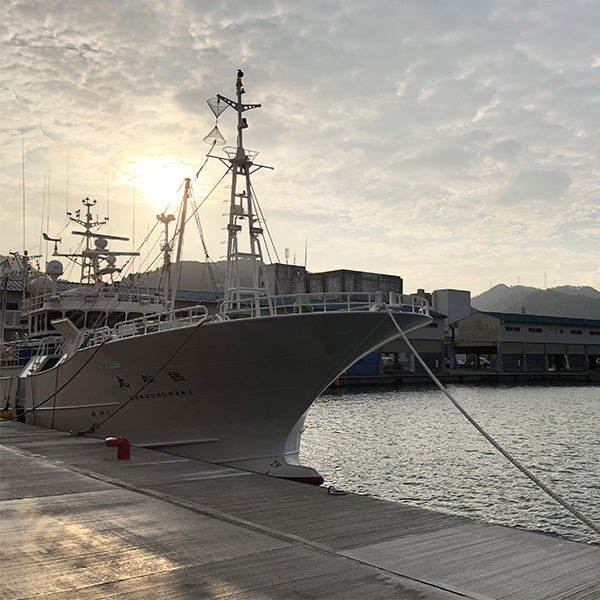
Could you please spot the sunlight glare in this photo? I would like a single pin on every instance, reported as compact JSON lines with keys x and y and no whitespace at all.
{"x":159,"y":180}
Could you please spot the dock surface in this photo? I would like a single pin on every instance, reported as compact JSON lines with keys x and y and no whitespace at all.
{"x":78,"y":524}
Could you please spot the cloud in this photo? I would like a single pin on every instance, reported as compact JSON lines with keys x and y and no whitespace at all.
{"x":430,"y":134}
{"x":505,"y":150}
{"x":536,"y":185}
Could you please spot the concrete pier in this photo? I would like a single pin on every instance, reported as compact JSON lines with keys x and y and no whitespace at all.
{"x":77,"y":523}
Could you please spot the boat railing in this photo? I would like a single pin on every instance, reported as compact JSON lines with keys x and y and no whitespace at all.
{"x":89,"y":295}
{"x":20,"y":352}
{"x":35,"y":302}
{"x":322,"y":302}
{"x":173,"y":319}
{"x":98,"y":336}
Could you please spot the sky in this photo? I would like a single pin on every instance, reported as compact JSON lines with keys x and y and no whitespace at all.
{"x":454,"y":143}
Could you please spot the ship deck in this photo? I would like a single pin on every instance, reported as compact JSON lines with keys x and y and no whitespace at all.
{"x":77,"y":523}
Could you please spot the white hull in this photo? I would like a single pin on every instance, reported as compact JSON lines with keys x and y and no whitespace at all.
{"x":231,"y":392}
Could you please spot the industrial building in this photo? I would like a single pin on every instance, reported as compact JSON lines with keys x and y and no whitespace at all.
{"x":522,"y":343}
{"x":462,"y":340}
{"x":293,"y":279}
{"x":428,"y":341}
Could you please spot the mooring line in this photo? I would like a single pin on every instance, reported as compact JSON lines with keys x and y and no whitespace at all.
{"x":566,"y":505}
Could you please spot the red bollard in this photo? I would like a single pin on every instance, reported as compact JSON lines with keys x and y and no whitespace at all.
{"x":123,"y":447}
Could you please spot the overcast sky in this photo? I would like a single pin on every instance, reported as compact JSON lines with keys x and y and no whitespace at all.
{"x":454,"y":143}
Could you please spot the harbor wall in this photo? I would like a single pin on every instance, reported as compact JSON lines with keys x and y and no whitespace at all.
{"x":471,"y":377}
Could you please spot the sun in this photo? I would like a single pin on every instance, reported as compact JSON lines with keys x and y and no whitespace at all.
{"x":159,"y":180}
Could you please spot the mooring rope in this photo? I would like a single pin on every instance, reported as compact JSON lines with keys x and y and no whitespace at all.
{"x":94,"y":426}
{"x":55,"y":393}
{"x":566,"y":505}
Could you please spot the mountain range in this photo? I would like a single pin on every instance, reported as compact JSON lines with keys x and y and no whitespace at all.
{"x":562,"y":301}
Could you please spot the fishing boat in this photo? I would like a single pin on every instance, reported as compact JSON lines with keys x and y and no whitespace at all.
{"x":230,"y":387}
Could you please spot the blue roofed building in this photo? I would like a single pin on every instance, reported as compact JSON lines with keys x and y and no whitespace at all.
{"x":523,"y":343}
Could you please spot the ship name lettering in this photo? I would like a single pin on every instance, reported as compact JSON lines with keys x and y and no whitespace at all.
{"x":103,"y":412}
{"x":167,"y":394}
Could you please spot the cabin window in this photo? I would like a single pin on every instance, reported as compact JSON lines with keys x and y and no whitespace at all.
{"x":52,"y":316}
{"x":511,"y":328}
{"x":95,"y":318}
{"x":114,"y":318}
{"x":77,"y":317}
{"x":576,"y":331}
{"x":134,"y":315}
{"x":535,"y":330}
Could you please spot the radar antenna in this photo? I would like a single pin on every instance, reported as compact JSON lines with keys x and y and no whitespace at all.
{"x":99,"y":260}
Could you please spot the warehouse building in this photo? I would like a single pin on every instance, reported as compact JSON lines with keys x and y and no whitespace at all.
{"x":428,"y":341}
{"x":514,"y":343}
{"x":293,"y":279}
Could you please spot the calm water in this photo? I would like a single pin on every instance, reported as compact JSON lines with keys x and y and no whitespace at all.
{"x":412,"y":445}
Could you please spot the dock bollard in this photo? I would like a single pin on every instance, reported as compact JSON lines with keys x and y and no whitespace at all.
{"x":123,"y":447}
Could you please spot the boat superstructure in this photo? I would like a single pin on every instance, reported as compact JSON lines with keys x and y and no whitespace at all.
{"x":231,"y":387}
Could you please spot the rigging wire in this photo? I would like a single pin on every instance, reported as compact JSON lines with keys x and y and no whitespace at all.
{"x":205,"y":161}
{"x":62,"y":387}
{"x":207,"y":260}
{"x":209,"y":193}
{"x":95,"y":351}
{"x":95,"y":426}
{"x":278,"y":282}
{"x":178,"y":228}
{"x":556,"y":497}
{"x":264,"y":222}
{"x":133,"y":284}
{"x":149,"y":266}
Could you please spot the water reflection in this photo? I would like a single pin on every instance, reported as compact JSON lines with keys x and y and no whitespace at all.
{"x":412,"y":445}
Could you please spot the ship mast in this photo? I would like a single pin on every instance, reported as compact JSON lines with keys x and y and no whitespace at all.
{"x":242,"y":207}
{"x":166,"y":249}
{"x":182,"y":220}
{"x":93,"y":258}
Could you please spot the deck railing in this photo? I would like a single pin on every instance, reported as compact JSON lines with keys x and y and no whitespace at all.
{"x":19,"y":353}
{"x":35,"y":302}
{"x":173,"y":319}
{"x":16,"y":353}
{"x":322,"y":302}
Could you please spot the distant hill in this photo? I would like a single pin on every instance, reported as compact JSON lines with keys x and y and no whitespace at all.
{"x":562,"y":301}
{"x":196,"y":276}
{"x":579,"y":290}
